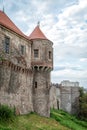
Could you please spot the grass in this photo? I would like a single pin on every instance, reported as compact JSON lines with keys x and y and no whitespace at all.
{"x":32,"y":122}
{"x":67,"y":120}
{"x":59,"y":121}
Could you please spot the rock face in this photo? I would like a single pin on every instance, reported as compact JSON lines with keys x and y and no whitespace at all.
{"x":65,"y":97}
{"x":25,"y":66}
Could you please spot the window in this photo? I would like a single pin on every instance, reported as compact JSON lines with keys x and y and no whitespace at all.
{"x":35,"y":84}
{"x":36,"y":53}
{"x":49,"y":54}
{"x":7,"y":44}
{"x":46,"y":84}
{"x":22,"y":49}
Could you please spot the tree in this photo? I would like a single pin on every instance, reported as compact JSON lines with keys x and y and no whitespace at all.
{"x":83,"y":104}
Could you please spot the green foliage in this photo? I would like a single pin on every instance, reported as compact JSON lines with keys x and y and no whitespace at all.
{"x":59,"y":120}
{"x":4,"y":128}
{"x":81,"y":90}
{"x":68,"y":120}
{"x":6,"y":113}
{"x":82,"y":105}
{"x":32,"y":122}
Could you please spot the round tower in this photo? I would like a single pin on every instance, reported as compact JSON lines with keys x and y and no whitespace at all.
{"x":42,"y":65}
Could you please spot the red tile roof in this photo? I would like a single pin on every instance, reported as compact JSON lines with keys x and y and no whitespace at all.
{"x":37,"y":34}
{"x":5,"y":21}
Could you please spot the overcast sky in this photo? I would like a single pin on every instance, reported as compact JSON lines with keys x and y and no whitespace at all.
{"x":64,"y":22}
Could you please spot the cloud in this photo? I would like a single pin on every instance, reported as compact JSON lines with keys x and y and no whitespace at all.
{"x":83,"y":59}
{"x":70,"y":43}
{"x":69,"y":74}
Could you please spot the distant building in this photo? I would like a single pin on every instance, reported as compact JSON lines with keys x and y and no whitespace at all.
{"x":65,"y":96}
{"x":67,"y":83}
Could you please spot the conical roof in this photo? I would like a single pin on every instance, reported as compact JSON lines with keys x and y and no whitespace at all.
{"x":37,"y":34}
{"x":5,"y":21}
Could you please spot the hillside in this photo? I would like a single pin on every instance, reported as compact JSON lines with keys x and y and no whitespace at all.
{"x":68,"y":120}
{"x":32,"y":122}
{"x":35,"y":122}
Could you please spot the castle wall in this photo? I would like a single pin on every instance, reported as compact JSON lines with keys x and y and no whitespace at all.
{"x":15,"y":73}
{"x":75,"y":99}
{"x":70,"y":99}
{"x":58,"y":97}
{"x":15,"y":55}
{"x":41,"y":93}
{"x":65,"y":98}
{"x":65,"y":93}
{"x":53,"y":97}
{"x":16,"y":89}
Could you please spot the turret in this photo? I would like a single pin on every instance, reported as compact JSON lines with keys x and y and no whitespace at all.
{"x":42,"y":64}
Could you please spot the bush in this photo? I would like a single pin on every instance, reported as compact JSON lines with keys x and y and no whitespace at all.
{"x":82,"y":105}
{"x":6,"y":113}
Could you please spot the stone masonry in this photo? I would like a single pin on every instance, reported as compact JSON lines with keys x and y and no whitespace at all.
{"x":26,"y":63}
{"x":65,"y":96}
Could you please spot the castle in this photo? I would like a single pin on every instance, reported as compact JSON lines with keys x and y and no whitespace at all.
{"x":26,"y":63}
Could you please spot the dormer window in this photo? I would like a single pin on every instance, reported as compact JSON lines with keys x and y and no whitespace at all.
{"x":7,"y":44}
{"x":36,"y":53}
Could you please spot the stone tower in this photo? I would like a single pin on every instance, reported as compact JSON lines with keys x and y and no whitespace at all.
{"x":42,"y":64}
